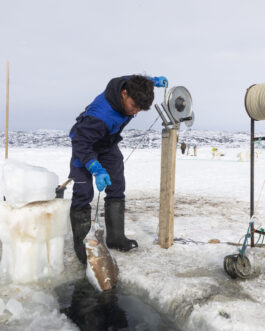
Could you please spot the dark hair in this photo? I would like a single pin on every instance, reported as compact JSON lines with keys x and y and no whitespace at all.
{"x":141,"y":90}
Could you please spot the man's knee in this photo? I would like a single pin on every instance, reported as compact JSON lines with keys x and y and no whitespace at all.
{"x":83,"y":193}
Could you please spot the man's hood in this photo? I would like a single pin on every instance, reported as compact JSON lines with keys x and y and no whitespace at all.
{"x":113,"y":92}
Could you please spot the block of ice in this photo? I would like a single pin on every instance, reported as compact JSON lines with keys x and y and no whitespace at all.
{"x":33,"y":239}
{"x":24,"y":183}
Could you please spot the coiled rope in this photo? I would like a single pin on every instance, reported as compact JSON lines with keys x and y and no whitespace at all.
{"x":255,"y":102}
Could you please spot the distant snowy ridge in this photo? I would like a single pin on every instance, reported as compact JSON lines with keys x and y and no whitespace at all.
{"x":152,"y":139}
{"x":37,"y":138}
{"x":132,"y":138}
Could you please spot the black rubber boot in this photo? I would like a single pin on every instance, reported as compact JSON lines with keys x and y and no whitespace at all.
{"x":81,"y":223}
{"x":114,"y":219}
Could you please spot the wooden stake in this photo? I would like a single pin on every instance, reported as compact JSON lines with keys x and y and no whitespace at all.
{"x":167,"y":187}
{"x":65,"y":184}
{"x":7,"y":108}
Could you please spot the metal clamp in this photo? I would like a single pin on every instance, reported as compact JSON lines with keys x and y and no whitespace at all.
{"x":164,"y":120}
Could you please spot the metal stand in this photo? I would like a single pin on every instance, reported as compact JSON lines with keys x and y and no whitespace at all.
{"x":252,"y":166}
{"x":252,"y":133}
{"x":238,"y":265}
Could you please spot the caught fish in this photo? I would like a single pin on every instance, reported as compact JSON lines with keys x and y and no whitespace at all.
{"x":102,"y":270}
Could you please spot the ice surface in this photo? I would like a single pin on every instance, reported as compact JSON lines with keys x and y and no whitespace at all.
{"x":33,"y":239}
{"x":24,"y":183}
{"x":187,"y":281}
{"x":45,"y":299}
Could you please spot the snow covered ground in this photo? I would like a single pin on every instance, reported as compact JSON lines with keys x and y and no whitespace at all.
{"x":186,"y":281}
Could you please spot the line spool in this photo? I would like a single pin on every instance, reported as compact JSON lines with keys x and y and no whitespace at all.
{"x":179,"y":103}
{"x":237,"y":266}
{"x":255,"y":102}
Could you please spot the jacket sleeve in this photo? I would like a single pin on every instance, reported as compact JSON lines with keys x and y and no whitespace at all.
{"x":86,"y":133}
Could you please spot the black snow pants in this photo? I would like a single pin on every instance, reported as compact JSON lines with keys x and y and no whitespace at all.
{"x":83,"y":192}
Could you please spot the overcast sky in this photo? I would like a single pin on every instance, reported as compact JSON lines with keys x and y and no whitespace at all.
{"x":62,"y":54}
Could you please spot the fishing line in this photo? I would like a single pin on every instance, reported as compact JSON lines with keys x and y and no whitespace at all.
{"x":141,"y":139}
{"x":96,"y":216}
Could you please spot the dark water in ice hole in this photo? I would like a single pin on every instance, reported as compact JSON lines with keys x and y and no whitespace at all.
{"x":108,"y":311}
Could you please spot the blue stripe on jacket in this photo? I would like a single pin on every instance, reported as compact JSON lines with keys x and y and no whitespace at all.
{"x":101,"y":109}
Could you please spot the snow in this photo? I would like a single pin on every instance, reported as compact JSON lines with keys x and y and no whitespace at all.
{"x":2,"y":306}
{"x":186,"y":281}
{"x":15,"y":308}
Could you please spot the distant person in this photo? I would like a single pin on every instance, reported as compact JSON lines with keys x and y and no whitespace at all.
{"x":95,"y":152}
{"x":256,"y":155}
{"x":188,"y":149}
{"x":194,"y":150}
{"x":183,"y":147}
{"x":214,"y":152}
{"x":217,"y":153}
{"x":240,"y":156}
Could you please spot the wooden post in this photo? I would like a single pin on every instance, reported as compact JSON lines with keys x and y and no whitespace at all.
{"x":167,"y":187}
{"x":7,"y":108}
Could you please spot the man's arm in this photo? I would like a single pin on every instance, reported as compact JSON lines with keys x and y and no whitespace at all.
{"x":85,"y":135}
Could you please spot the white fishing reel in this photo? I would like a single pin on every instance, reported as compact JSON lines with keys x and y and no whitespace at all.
{"x":177,"y":106}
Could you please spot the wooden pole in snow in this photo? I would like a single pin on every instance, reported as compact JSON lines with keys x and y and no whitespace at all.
{"x":7,"y":108}
{"x":167,"y":187}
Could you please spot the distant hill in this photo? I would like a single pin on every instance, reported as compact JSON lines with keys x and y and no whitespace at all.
{"x":132,"y":138}
{"x":192,"y":137}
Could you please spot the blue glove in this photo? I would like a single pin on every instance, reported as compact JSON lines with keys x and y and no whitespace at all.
{"x":160,"y":81}
{"x":102,"y":177}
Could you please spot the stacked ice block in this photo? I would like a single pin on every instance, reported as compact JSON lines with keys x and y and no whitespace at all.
{"x":32,"y":223}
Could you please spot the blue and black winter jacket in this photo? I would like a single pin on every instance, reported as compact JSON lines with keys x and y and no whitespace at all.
{"x":100,"y":125}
